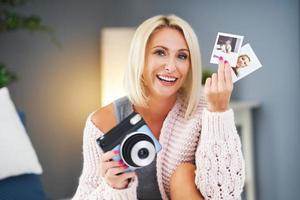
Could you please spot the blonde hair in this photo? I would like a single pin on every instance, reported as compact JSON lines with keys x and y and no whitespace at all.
{"x":133,"y":82}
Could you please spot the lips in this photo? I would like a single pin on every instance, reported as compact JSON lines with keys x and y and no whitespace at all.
{"x":169,"y":79}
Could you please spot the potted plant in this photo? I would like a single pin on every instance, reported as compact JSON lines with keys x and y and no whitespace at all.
{"x":206,"y":73}
{"x":6,"y":77}
{"x":10,"y":21}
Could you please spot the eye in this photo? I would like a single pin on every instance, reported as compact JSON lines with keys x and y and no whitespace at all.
{"x":160,"y":52}
{"x":182,"y":56}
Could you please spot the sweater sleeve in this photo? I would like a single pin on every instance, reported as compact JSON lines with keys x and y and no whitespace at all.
{"x":220,"y":166}
{"x":91,"y":184}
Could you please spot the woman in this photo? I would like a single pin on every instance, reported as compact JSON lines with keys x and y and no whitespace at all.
{"x":201,"y":152}
{"x":226,"y":47}
{"x":242,"y":62}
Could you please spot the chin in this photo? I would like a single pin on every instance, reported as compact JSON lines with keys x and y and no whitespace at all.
{"x":166,"y":94}
{"x":165,"y":91}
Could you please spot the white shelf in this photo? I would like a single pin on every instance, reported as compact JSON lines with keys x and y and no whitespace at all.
{"x":243,"y":118}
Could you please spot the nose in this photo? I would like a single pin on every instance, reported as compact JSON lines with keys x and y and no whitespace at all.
{"x":170,"y":66}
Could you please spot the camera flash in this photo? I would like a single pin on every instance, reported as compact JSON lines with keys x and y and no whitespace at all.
{"x":135,"y":119}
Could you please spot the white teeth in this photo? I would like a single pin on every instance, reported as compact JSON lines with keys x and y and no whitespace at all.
{"x":165,"y":78}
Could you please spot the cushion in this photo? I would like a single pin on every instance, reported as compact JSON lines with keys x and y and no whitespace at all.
{"x":17,"y":155}
{"x":26,"y":186}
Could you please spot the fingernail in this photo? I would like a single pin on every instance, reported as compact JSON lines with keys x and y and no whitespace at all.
{"x":116,"y":151}
{"x":225,"y":61}
{"x":120,"y":162}
{"x":220,"y":58}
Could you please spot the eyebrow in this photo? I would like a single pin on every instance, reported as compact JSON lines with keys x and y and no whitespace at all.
{"x":167,"y":48}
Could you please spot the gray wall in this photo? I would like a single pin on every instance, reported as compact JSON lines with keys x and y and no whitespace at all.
{"x":57,"y":88}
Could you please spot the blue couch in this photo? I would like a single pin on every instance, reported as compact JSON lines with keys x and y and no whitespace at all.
{"x":22,"y":187}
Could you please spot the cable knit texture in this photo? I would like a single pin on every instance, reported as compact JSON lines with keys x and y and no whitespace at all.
{"x":207,"y":139}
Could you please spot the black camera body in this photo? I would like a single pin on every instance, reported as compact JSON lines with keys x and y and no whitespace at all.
{"x":134,"y":140}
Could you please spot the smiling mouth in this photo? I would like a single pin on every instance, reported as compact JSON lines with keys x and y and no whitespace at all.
{"x":167,"y":78}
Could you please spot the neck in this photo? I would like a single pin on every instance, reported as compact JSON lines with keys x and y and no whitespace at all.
{"x":158,"y":108}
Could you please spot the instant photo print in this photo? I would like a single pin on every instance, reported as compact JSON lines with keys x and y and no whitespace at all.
{"x":228,"y":46}
{"x":247,"y":63}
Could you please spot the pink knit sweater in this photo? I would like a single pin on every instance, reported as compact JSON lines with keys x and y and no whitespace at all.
{"x":207,"y":139}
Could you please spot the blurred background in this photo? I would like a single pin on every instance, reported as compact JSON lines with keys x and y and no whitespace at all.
{"x":58,"y":87}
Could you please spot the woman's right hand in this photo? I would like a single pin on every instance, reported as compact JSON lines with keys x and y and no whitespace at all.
{"x":110,"y":170}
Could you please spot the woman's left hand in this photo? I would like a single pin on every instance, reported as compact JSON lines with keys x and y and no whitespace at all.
{"x":218,"y":88}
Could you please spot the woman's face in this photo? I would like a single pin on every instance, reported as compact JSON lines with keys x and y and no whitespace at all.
{"x":243,"y":61}
{"x":167,"y":62}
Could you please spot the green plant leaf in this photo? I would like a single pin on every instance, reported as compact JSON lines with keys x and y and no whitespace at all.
{"x":6,"y":77}
{"x":13,"y":2}
{"x":205,"y":74}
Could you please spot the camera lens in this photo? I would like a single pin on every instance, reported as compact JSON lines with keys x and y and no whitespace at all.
{"x":143,"y":153}
{"x":137,"y":149}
